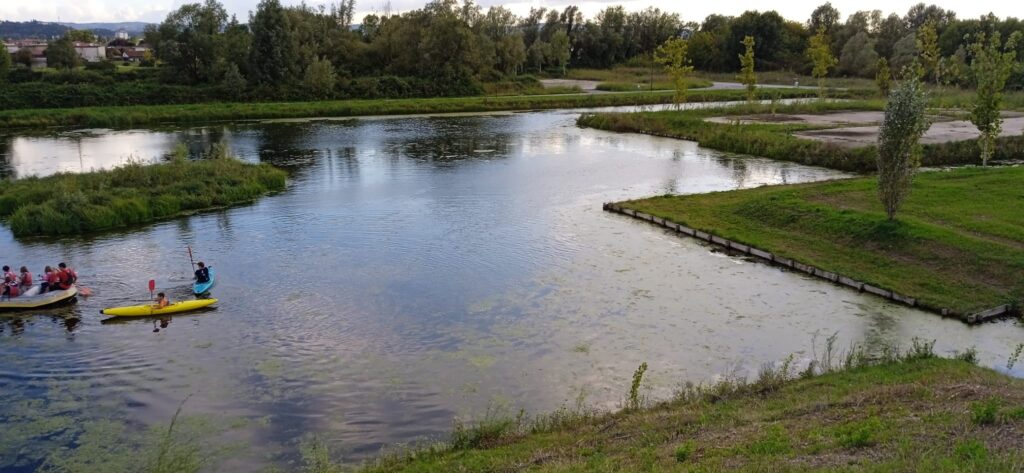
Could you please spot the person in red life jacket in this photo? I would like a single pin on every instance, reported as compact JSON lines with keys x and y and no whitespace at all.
{"x":10,"y":285}
{"x":49,"y":280}
{"x":66,"y":277}
{"x":25,"y":279}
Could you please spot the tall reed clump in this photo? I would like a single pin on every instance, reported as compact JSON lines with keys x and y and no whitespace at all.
{"x":67,"y":204}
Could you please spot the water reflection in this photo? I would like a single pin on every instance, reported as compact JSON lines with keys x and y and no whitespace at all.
{"x":416,"y":269}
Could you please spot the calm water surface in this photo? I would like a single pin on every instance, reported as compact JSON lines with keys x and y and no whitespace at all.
{"x":417,"y":269}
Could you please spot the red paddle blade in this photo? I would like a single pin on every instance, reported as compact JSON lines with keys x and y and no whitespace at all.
{"x":152,"y":285}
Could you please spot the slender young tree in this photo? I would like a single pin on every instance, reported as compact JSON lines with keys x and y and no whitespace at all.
{"x":992,"y":64}
{"x":883,"y":77}
{"x":747,"y":75}
{"x":899,"y":150}
{"x":927,"y":41}
{"x":820,"y":53}
{"x":5,"y":65}
{"x":673,"y":55}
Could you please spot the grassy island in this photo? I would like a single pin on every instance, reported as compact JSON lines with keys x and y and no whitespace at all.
{"x":776,"y":140}
{"x":67,"y":204}
{"x":912,"y":412}
{"x":958,"y":242}
{"x":138,"y":115}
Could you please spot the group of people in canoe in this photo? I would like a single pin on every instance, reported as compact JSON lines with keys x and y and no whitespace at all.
{"x":16,"y":284}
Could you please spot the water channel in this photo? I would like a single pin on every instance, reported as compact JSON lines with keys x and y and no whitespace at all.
{"x":417,"y":269}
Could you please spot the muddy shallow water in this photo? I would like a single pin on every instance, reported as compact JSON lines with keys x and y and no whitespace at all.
{"x":417,"y":269}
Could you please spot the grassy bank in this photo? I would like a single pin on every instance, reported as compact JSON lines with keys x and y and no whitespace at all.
{"x":154,"y":114}
{"x":776,"y":141}
{"x":67,"y":204}
{"x":958,"y":242}
{"x":907,"y":411}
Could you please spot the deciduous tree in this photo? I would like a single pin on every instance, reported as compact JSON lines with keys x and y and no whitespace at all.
{"x":272,"y":59}
{"x":5,"y":65}
{"x":927,"y":42}
{"x":61,"y":54}
{"x":747,"y":75}
{"x":673,"y":55}
{"x":858,"y":57}
{"x":992,"y":64}
{"x":883,"y":77}
{"x":820,"y":53}
{"x":320,"y":78}
{"x":899,"y":151}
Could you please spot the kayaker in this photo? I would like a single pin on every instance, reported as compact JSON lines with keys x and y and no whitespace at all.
{"x":203,"y":273}
{"x":161,"y":301}
{"x":66,"y":277}
{"x":26,"y":279}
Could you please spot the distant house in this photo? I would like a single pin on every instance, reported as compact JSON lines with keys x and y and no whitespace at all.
{"x":125,"y":50}
{"x":122,"y":34}
{"x":91,"y":52}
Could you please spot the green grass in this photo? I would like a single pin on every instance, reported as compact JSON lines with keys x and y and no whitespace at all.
{"x":958,"y":242}
{"x":900,"y":412}
{"x":66,"y":204}
{"x":776,"y":141}
{"x":198,"y":113}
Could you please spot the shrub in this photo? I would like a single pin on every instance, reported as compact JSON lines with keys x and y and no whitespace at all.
{"x":684,"y":452}
{"x":859,"y":434}
{"x":984,"y":413}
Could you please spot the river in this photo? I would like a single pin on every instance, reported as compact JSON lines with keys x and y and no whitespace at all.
{"x":417,"y":269}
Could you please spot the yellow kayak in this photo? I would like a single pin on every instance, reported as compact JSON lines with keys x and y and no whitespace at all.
{"x":144,"y":310}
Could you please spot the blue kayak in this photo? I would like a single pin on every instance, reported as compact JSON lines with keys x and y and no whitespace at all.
{"x":204,"y":287}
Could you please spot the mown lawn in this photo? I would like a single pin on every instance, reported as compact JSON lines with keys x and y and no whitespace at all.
{"x":957,"y":243}
{"x":921,"y":415}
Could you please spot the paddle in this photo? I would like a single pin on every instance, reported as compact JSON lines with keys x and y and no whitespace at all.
{"x":152,"y":287}
{"x":190,"y":260}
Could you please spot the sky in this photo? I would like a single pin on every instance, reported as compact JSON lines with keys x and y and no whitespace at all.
{"x":80,"y":11}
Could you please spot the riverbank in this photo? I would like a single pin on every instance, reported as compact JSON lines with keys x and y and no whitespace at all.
{"x":903,"y":412}
{"x":135,"y":193}
{"x":777,"y":140}
{"x":128,"y":116}
{"x":958,"y":242}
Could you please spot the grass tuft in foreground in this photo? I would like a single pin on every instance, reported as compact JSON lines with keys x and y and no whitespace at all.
{"x":883,"y":410}
{"x":134,"y":193}
{"x":958,"y":242}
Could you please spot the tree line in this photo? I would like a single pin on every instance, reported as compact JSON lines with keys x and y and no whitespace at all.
{"x":450,"y":48}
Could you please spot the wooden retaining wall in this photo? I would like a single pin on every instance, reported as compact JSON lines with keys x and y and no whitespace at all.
{"x":768,"y":257}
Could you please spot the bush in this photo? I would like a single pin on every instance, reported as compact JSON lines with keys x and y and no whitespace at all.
{"x":102,"y":66}
{"x":984,"y":413}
